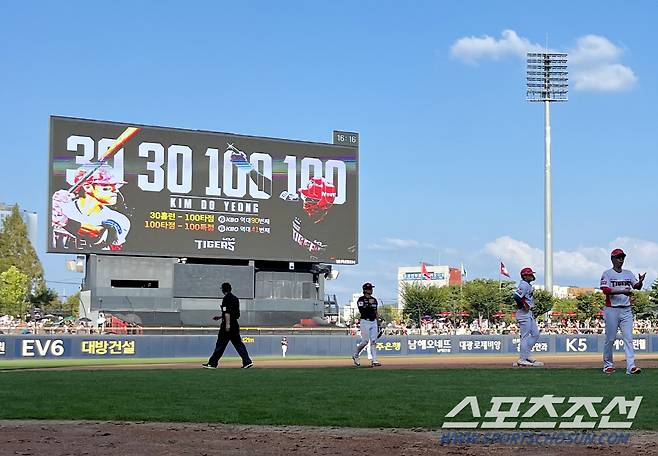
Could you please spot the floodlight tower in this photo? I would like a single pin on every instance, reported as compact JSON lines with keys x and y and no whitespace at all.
{"x":547,"y":81}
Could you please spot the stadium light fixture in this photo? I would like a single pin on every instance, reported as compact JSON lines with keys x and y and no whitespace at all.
{"x":547,"y":81}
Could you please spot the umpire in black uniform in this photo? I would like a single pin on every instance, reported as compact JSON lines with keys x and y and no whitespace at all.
{"x":229,"y":330}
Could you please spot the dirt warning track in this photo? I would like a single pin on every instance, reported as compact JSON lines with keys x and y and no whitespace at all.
{"x":577,"y":361}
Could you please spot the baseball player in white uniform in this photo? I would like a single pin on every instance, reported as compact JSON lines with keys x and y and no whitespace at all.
{"x":617,"y":284}
{"x":87,"y":220}
{"x":527,"y":323}
{"x":367,"y":305}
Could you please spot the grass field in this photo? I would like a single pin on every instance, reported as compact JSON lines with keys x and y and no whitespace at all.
{"x":323,"y":397}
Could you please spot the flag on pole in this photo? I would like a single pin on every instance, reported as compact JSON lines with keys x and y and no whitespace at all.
{"x":423,"y":270}
{"x":463,"y":271}
{"x":503,"y":270}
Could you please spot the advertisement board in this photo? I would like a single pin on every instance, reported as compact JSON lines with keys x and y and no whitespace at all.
{"x":159,"y":346}
{"x":129,"y":189}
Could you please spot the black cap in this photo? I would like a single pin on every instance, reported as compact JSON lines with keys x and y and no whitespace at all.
{"x":368,"y":286}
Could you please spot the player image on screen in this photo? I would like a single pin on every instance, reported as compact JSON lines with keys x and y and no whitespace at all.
{"x":82,"y":218}
{"x":318,"y":197}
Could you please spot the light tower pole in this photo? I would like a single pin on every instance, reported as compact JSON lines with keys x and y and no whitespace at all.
{"x":547,"y":81}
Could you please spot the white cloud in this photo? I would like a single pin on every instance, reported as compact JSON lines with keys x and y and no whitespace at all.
{"x":515,"y":253}
{"x":593,"y":62}
{"x":399,"y":244}
{"x":594,"y":49}
{"x":577,"y":264}
{"x":604,"y":78}
{"x":595,"y":66}
{"x":471,"y":49}
{"x":583,"y":263}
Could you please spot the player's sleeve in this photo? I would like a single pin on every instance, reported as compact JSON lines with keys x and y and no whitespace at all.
{"x":605,"y":284}
{"x":120,"y":225}
{"x":125,"y":225}
{"x":73,"y":217}
{"x":520,"y":292}
{"x":520,"y":302}
{"x":360,"y":303}
{"x":520,"y":295}
{"x":71,"y":211}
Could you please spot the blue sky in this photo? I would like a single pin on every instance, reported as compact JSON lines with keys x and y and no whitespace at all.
{"x":451,"y":153}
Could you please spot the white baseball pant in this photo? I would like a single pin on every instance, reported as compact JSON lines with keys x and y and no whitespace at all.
{"x":529,"y":332}
{"x":618,"y":318}
{"x":368,"y":335}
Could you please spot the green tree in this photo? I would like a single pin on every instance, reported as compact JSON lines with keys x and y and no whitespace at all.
{"x":651,"y":310}
{"x":543,"y":302}
{"x":13,"y":291}
{"x":46,"y":299}
{"x":653,"y":294}
{"x":509,"y":304}
{"x":450,"y":298}
{"x":589,"y":304}
{"x":389,"y":313}
{"x":419,"y":300}
{"x":565,"y":305}
{"x":17,"y":250}
{"x":642,"y":305}
{"x":484,"y":297}
{"x":72,"y":305}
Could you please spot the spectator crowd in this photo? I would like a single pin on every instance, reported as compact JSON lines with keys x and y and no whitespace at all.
{"x":10,"y":324}
{"x":445,"y":326}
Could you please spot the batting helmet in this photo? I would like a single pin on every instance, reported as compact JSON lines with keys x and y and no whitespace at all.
{"x":104,"y":175}
{"x":319,"y":193}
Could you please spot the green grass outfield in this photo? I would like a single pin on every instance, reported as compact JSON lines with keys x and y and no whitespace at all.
{"x":333,"y":396}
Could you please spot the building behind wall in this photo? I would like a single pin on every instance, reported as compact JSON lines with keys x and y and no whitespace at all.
{"x":437,"y":276}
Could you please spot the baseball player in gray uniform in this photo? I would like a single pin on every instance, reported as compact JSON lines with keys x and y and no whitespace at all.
{"x":617,"y":284}
{"x":527,"y":323}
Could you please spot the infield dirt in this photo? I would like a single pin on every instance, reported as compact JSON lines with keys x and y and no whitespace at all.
{"x":173,"y":439}
{"x":580,"y":361}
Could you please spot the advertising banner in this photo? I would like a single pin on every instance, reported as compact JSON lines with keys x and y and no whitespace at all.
{"x":155,"y":346}
{"x":137,"y":190}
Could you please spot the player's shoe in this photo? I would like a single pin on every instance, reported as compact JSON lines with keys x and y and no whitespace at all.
{"x":208,"y":366}
{"x":356,"y":361}
{"x":523,"y":363}
{"x":248,"y":366}
{"x":376,"y":364}
{"x":634,"y":370}
{"x":536,"y":363}
{"x":609,"y":370}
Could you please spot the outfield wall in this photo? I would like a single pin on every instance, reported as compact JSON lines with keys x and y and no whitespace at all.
{"x":71,"y":346}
